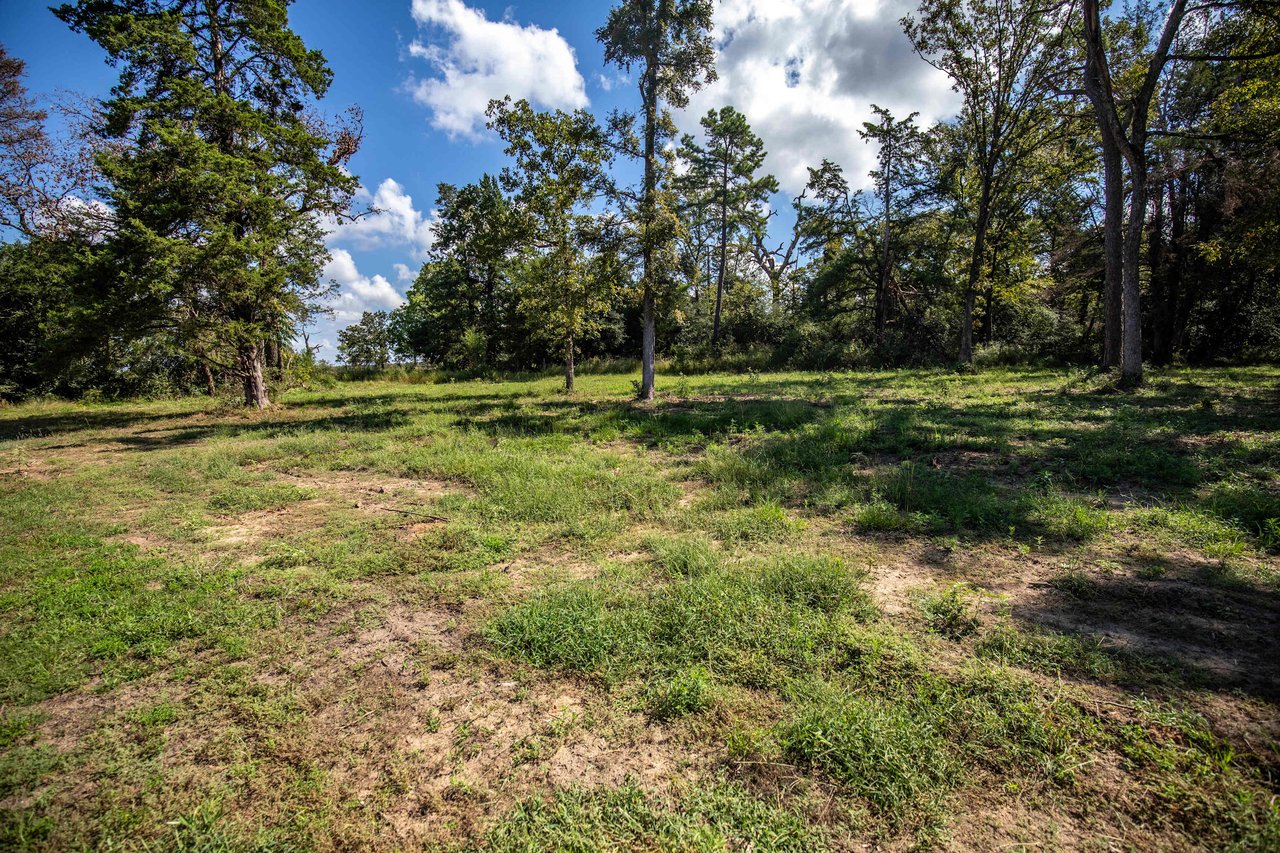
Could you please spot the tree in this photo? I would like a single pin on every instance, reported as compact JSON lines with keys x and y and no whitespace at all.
{"x":217,"y":174}
{"x":669,"y":42}
{"x":24,"y":148}
{"x":1001,"y":56}
{"x":723,"y":173}
{"x":45,"y":183}
{"x":900,"y":144}
{"x":825,"y":214}
{"x":366,"y":343}
{"x":560,"y":162}
{"x":1124,"y":140}
{"x":479,"y":231}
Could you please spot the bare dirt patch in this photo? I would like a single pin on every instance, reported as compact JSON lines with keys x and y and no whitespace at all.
{"x":436,"y":740}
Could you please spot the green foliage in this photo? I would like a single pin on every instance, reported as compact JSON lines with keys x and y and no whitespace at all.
{"x":750,"y":625}
{"x":685,"y":556}
{"x":366,"y":343}
{"x":75,"y":602}
{"x":216,"y":179}
{"x":261,"y":497}
{"x":687,"y":691}
{"x":767,"y":522}
{"x":463,"y":533}
{"x":560,"y":162}
{"x":950,"y":612}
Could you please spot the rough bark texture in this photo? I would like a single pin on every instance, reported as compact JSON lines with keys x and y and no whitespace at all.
{"x":255,"y":386}
{"x":1131,"y":287}
{"x":210,"y":387}
{"x":1112,"y":243}
{"x":1125,"y":140}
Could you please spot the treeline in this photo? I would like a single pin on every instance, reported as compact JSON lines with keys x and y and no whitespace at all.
{"x":1109,"y":193}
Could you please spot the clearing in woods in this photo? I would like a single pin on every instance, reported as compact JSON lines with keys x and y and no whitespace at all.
{"x":790,"y":611}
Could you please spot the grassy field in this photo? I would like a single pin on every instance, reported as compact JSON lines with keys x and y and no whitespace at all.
{"x":774,"y":612}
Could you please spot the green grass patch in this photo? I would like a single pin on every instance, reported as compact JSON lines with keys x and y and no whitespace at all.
{"x":754,"y":624}
{"x":261,"y":497}
{"x":718,"y":818}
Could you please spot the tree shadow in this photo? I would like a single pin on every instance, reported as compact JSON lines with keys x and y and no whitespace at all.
{"x":46,"y":426}
{"x":1195,"y":627}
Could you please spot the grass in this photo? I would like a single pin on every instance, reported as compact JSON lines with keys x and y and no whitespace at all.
{"x":725,"y":817}
{"x":769,"y":612}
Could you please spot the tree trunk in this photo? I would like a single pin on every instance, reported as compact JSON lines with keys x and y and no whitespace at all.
{"x":989,"y":315}
{"x":1131,"y":293}
{"x":975,"y":269}
{"x":255,"y":387}
{"x":724,"y":257}
{"x":886,"y":256}
{"x":649,"y":334}
{"x":648,"y":346}
{"x":1112,"y":253}
{"x":568,"y":365}
{"x":210,"y":387}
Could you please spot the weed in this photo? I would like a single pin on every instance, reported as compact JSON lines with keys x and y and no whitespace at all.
{"x":688,"y":691}
{"x":951,"y":612}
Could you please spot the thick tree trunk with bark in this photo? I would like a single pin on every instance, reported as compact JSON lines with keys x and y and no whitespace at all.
{"x":1125,"y":139}
{"x":649,"y":333}
{"x":1112,"y":253}
{"x":255,"y":386}
{"x":1131,"y":292}
{"x":210,"y":387}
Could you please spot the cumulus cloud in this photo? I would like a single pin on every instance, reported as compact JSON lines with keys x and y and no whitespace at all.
{"x":805,"y":73}
{"x":403,"y":273}
{"x":357,"y":293}
{"x":474,"y":59}
{"x":394,"y":223}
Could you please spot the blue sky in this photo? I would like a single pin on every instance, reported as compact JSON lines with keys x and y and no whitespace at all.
{"x":805,"y":73}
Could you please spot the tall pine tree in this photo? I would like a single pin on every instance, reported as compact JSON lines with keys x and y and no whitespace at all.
{"x":669,"y":42}
{"x":723,"y":172}
{"x":218,"y":174}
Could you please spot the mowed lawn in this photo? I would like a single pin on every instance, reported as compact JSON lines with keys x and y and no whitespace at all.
{"x":767,"y":612}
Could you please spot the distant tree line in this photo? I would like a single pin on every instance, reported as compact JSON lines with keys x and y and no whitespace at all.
{"x":1108,"y":193}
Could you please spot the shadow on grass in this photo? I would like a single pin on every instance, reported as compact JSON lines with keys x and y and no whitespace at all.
{"x":1202,"y":629}
{"x":1039,"y":463}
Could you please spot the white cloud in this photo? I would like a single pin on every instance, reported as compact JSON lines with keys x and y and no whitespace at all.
{"x":357,"y":293}
{"x":474,"y":60}
{"x":609,"y":83}
{"x":395,"y":222}
{"x":403,"y":273}
{"x":805,"y":73}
